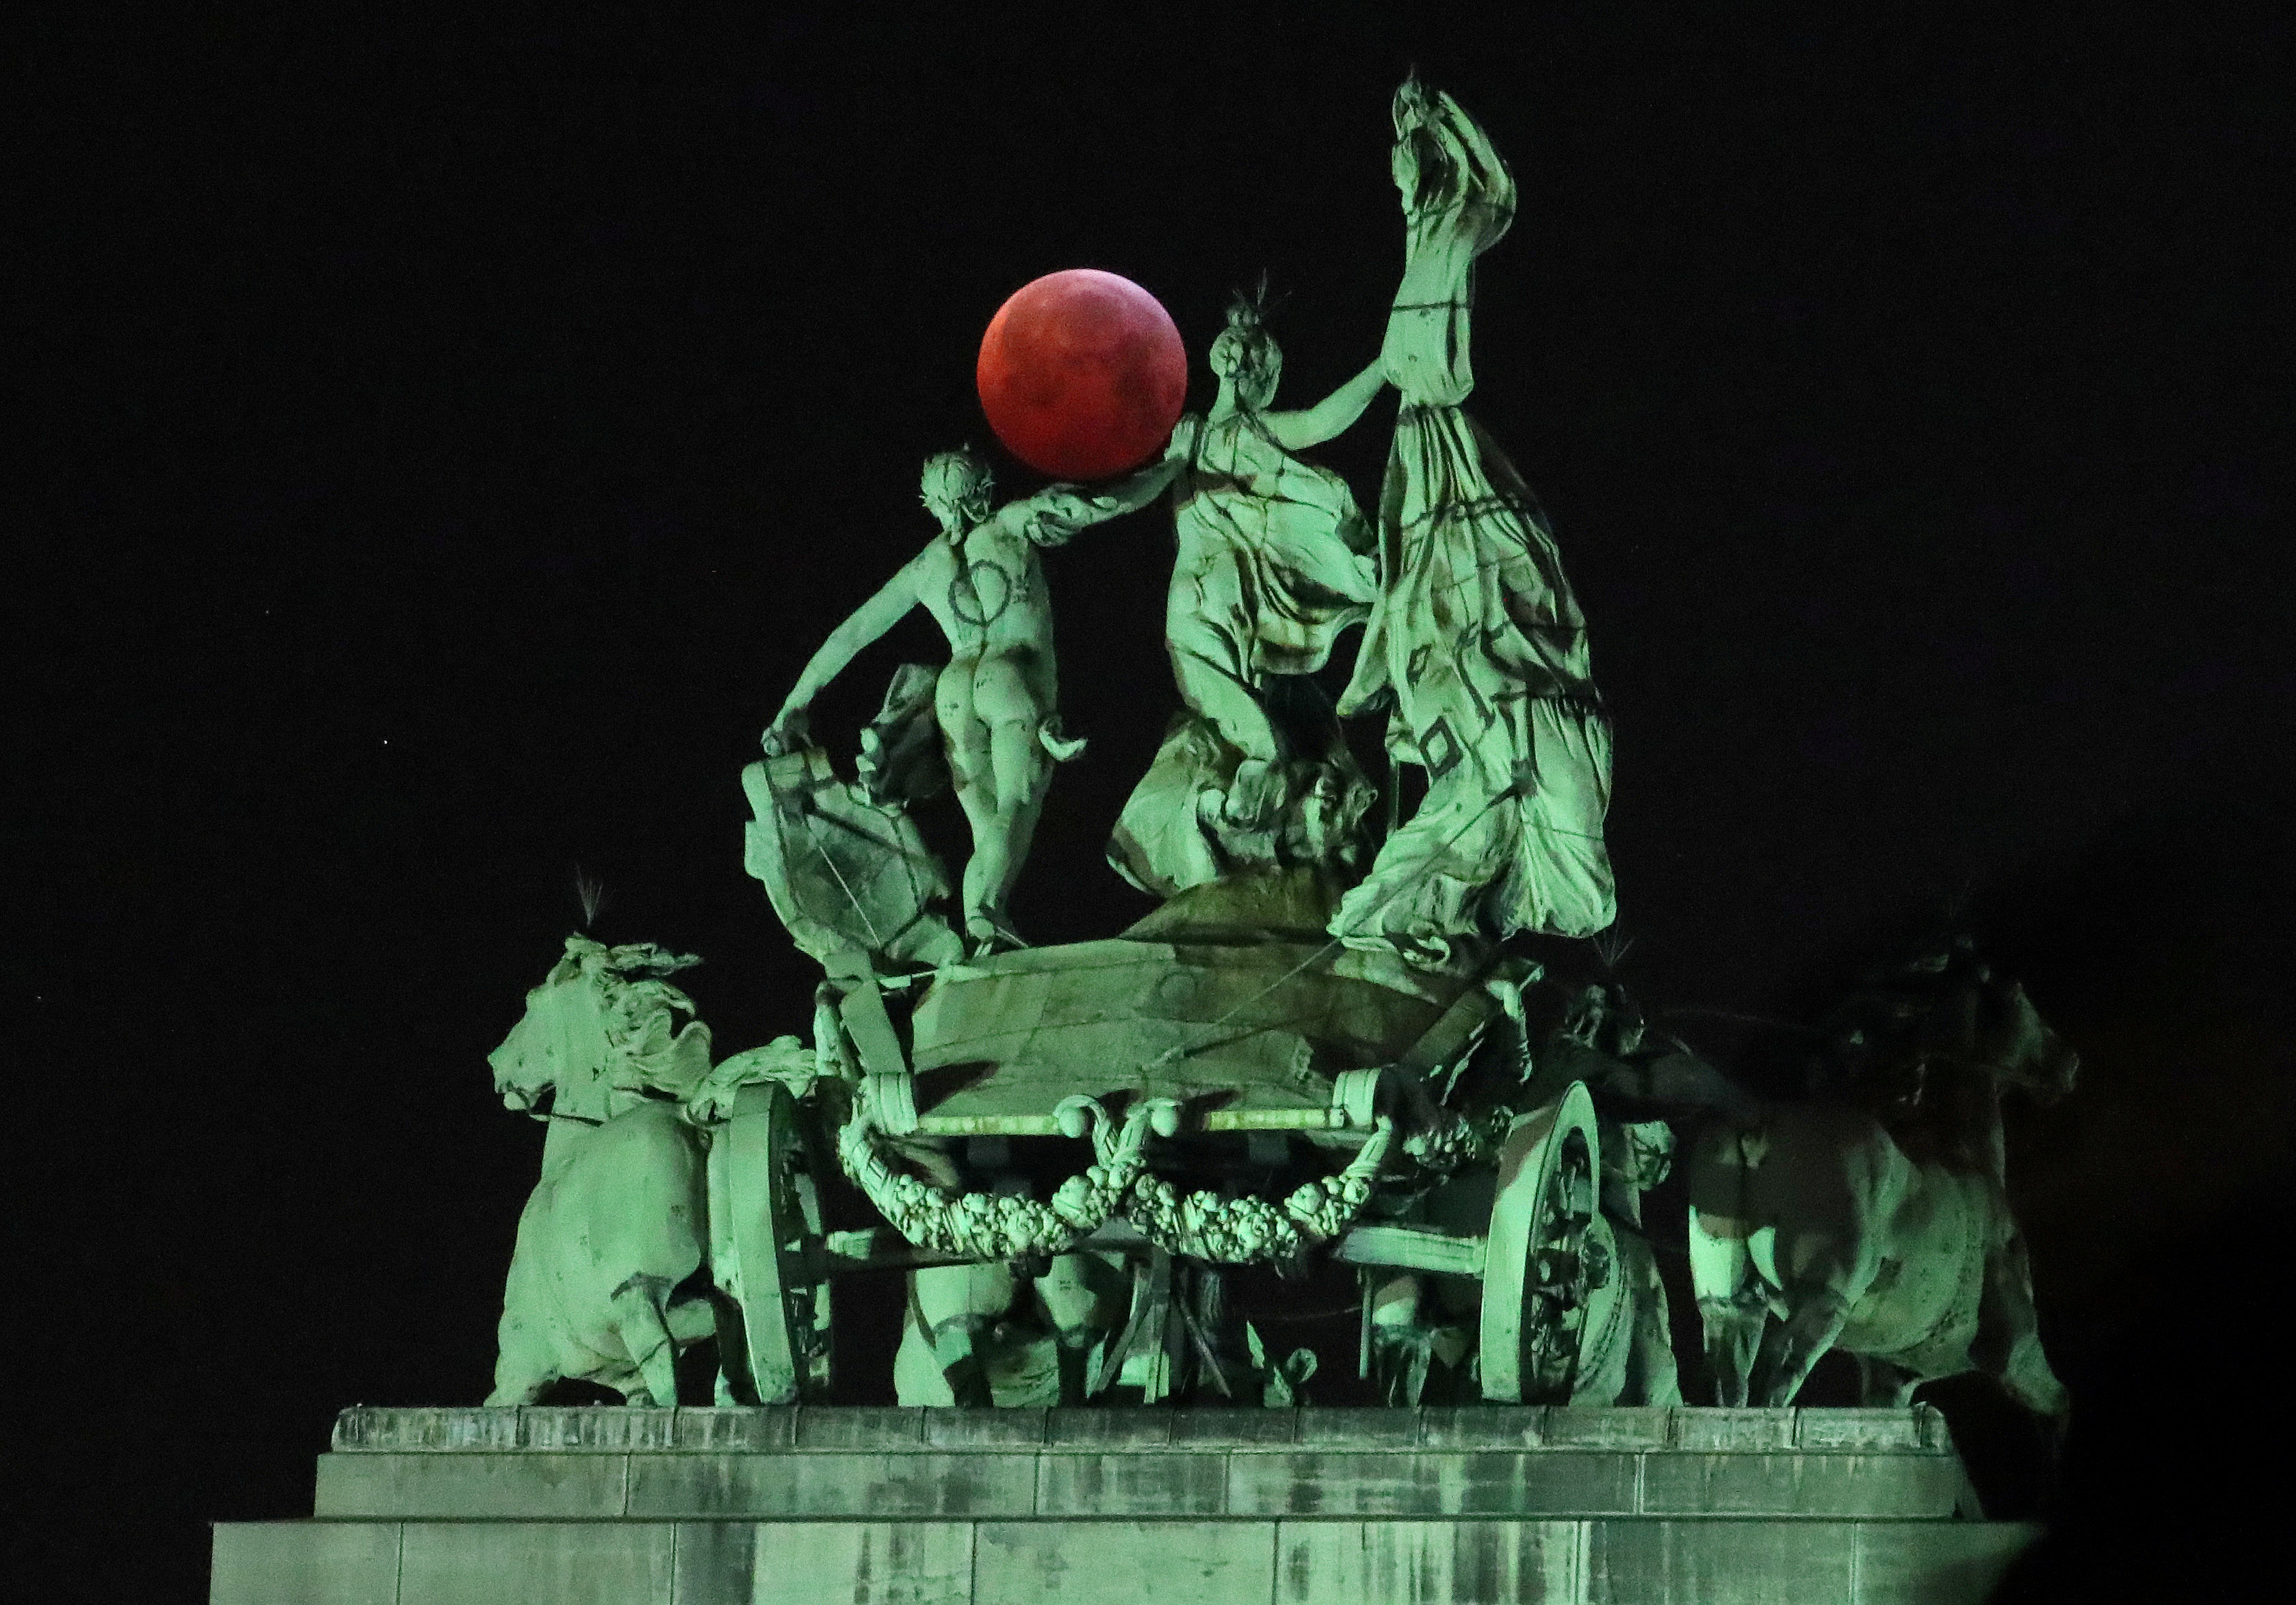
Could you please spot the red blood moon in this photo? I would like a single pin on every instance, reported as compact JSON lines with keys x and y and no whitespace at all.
{"x":1082,"y":374}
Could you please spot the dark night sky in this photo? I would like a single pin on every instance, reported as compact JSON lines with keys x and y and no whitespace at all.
{"x":454,"y":435}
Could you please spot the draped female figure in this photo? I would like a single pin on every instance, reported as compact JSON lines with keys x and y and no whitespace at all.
{"x":1475,"y":650}
{"x":1271,"y":565}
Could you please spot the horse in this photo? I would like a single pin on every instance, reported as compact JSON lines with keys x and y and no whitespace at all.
{"x":608,"y":1282}
{"x":1873,"y":1217}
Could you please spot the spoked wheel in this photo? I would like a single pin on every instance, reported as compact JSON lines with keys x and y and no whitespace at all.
{"x":1544,"y":1258}
{"x":766,"y":1249}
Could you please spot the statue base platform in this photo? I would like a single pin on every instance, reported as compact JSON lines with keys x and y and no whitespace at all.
{"x":547,"y":1506}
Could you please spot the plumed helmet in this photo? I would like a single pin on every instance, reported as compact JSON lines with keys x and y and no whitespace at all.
{"x":1246,"y":351}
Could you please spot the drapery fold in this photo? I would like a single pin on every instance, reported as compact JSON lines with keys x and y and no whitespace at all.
{"x":1475,"y":647}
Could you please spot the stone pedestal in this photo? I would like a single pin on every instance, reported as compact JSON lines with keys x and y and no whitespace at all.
{"x":812,"y":1505}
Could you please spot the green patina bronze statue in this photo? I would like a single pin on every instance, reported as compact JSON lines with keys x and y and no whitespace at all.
{"x":1874,"y":1217}
{"x":1325,"y":1048}
{"x":1357,"y":1065}
{"x":1272,"y":566}
{"x":997,"y":699}
{"x":1476,"y":650}
{"x":601,"y":1287}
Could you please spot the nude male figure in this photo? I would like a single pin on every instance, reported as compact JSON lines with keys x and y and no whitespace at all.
{"x":983,"y":583}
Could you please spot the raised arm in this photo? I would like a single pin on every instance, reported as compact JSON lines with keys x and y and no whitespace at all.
{"x":866,"y":623}
{"x":1312,"y":426}
{"x":1054,"y":514}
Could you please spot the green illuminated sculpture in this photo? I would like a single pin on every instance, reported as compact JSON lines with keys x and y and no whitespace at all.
{"x":601,"y":1285}
{"x":994,"y":1334}
{"x":1271,"y":568}
{"x":1476,"y":650}
{"x":658,"y":1167}
{"x":997,"y":699}
{"x":1054,"y":1137}
{"x":1876,"y":1219}
{"x":1326,"y":1054}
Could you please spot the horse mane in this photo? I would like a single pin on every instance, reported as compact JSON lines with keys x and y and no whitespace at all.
{"x":653,"y":1044}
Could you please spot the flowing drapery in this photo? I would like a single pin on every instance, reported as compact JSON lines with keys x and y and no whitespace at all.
{"x":1475,"y":647}
{"x":1271,"y":568}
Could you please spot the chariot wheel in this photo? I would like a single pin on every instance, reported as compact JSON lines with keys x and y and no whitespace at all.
{"x":766,"y":1250}
{"x":1543,"y":1256}
{"x":1606,"y":1336}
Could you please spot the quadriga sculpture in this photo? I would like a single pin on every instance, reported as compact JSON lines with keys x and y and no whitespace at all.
{"x":604,"y":1287}
{"x":1873,"y":1218}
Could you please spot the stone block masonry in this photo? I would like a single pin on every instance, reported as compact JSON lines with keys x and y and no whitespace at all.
{"x":1095,"y":1507}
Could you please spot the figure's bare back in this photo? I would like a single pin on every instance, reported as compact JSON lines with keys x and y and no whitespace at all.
{"x":986,"y":592}
{"x":994,"y":701}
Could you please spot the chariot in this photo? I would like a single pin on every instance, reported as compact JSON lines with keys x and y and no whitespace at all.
{"x":1219,"y":1085}
{"x":1321,"y":1050}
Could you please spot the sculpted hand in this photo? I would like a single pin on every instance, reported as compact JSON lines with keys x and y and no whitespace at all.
{"x":786,"y":733}
{"x":1060,"y":512}
{"x":1412,"y":114}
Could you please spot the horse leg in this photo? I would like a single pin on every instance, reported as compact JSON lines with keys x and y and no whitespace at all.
{"x":1651,"y":1377}
{"x":1733,"y":1334}
{"x":725,"y":1324}
{"x":1082,"y":1309}
{"x":1817,"y":1310}
{"x":692,"y":1316}
{"x":1732,"y":1305}
{"x":1399,"y":1344}
{"x":956,"y":1306}
{"x":641,"y":1320}
{"x":524,"y":1367}
{"x":2008,"y":1345}
{"x":1882,"y":1384}
{"x":917,"y":1376}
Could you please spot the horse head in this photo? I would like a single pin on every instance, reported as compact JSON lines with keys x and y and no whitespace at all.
{"x":1875,"y":1046}
{"x":1980,"y":1026}
{"x":1604,"y":1017}
{"x":524,"y":1074}
{"x":2023,"y":1049}
{"x":601,"y":1028}
{"x":1939,"y":1027}
{"x":558,"y":1045}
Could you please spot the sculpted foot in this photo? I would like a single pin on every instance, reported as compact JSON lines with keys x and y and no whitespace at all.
{"x":987,"y":934}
